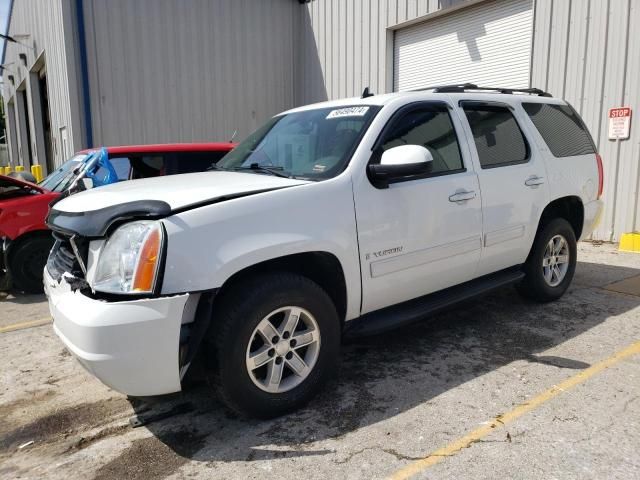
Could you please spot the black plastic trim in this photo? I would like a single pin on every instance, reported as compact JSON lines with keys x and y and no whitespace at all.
{"x":96,"y":223}
{"x":411,"y":311}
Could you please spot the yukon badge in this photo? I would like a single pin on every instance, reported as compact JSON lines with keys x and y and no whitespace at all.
{"x":383,"y":253}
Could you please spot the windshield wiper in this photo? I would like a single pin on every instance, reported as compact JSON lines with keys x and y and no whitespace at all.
{"x":273,"y":170}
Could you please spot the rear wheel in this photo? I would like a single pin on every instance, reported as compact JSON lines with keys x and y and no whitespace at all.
{"x":27,"y":261}
{"x":276,"y":340}
{"x":551,"y":263}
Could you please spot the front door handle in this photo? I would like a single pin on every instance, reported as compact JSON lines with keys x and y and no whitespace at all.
{"x":534,"y":181}
{"x":462,"y":196}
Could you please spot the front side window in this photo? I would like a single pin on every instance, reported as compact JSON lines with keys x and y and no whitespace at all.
{"x":429,"y":126}
{"x":561,"y":128}
{"x":498,"y":138}
{"x":312,"y":144}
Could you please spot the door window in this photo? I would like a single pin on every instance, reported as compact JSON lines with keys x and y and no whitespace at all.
{"x":429,"y":126}
{"x":498,"y":138}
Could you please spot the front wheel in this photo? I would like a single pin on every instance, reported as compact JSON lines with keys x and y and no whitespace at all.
{"x":276,"y":340}
{"x":551,"y":263}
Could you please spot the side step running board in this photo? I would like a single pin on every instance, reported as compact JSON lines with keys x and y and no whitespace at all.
{"x":411,"y":311}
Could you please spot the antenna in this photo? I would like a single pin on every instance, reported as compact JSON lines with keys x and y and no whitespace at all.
{"x":235,"y":132}
{"x":366,"y":93}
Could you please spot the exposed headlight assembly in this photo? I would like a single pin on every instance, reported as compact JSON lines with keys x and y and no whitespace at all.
{"x":130,"y":260}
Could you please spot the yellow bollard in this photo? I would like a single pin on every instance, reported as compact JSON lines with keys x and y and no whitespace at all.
{"x":36,"y":170}
{"x":7,"y":170}
{"x":19,"y":168}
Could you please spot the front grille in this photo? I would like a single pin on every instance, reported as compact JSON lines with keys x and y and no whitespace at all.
{"x":62,"y":259}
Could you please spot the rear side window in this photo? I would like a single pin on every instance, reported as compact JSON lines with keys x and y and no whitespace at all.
{"x":498,"y":138}
{"x":429,"y":126}
{"x":561,"y":128}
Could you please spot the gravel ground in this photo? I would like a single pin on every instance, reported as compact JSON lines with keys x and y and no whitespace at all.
{"x":397,"y":398}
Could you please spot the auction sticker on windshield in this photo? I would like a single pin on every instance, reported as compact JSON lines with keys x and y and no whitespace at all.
{"x":348,"y":112}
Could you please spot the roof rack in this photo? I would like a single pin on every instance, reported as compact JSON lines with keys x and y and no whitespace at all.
{"x":463,"y":87}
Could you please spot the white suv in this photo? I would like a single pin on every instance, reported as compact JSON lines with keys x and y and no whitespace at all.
{"x":341,"y":218}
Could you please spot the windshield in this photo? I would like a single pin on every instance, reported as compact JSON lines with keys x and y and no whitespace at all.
{"x":61,"y":179}
{"x":313,"y":144}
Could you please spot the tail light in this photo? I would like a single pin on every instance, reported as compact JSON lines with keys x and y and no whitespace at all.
{"x":600,"y":174}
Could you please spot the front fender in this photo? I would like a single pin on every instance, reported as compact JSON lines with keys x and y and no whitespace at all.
{"x":206,"y":246}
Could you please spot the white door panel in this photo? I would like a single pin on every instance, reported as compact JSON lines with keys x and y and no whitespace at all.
{"x":513,"y":195}
{"x":414,"y":241}
{"x":424,"y":234}
{"x":510,"y":213}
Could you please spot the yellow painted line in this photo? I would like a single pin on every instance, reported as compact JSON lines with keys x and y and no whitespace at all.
{"x":23,"y":325}
{"x":501,"y":420}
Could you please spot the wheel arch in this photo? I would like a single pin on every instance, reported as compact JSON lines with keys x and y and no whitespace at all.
{"x":322,"y":267}
{"x":571,"y":208}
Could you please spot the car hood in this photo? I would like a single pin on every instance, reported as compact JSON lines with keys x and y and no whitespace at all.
{"x":178,"y":191}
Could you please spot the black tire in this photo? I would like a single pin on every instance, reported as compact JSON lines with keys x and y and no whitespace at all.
{"x":534,"y":286}
{"x":27,"y":261}
{"x":237,"y":314}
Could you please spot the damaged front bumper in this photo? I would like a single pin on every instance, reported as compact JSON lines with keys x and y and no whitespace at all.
{"x":132,"y":346}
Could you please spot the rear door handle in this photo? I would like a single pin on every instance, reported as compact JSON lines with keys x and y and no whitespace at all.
{"x":462,"y":196}
{"x":534,"y":181}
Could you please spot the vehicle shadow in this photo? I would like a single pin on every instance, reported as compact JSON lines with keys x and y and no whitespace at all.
{"x":21,"y":298}
{"x":385,"y":375}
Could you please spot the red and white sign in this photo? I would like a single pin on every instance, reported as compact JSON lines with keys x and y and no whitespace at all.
{"x":619,"y":123}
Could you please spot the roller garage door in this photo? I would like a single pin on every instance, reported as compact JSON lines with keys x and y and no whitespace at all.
{"x":487,"y":44}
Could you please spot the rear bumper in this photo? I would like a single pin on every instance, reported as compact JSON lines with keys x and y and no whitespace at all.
{"x":592,"y":214}
{"x":131,"y":346}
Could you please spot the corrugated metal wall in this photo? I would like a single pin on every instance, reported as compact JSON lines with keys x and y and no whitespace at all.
{"x":582,"y":50}
{"x":197,"y":70}
{"x":350,"y":45}
{"x":50,"y":31}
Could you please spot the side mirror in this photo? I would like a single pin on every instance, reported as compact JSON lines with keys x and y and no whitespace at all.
{"x":398,"y":163}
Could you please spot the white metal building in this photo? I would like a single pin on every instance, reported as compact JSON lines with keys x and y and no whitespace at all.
{"x":92,"y":72}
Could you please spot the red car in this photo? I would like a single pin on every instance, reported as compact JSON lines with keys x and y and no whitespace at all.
{"x":25,"y":240}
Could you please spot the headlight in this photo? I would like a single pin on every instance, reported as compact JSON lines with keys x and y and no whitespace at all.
{"x":130,"y":259}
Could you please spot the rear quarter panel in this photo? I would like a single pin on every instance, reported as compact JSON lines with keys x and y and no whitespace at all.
{"x":566,"y":176}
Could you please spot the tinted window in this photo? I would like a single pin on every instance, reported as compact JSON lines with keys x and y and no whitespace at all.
{"x":431,"y":127}
{"x":561,"y":128}
{"x":497,"y":136}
